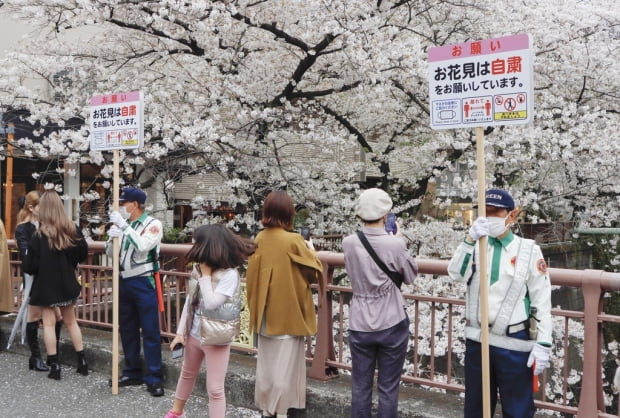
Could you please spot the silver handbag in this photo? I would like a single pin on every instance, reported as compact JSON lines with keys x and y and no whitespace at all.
{"x":218,"y":331}
{"x":221,"y":325}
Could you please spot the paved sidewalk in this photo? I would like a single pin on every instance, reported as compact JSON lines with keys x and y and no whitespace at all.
{"x":29,"y":394}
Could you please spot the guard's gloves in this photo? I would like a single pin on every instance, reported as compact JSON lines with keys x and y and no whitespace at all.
{"x":540,"y":356}
{"x":115,"y":232}
{"x":117,"y":219}
{"x":479,"y":229}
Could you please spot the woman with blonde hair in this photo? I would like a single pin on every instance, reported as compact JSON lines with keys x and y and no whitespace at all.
{"x":29,"y":316}
{"x":53,"y":254}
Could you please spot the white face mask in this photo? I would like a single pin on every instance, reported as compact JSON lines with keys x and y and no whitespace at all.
{"x":123,"y":211}
{"x":497,"y":226}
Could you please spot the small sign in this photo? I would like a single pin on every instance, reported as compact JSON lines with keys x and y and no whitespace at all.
{"x":511,"y":106}
{"x":116,"y":121}
{"x":482,"y":83}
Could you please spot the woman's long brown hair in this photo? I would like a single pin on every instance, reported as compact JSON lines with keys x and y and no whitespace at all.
{"x":60,"y":231}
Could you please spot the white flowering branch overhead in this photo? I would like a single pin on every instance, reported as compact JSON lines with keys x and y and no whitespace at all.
{"x":317,"y":96}
{"x":52,"y":186}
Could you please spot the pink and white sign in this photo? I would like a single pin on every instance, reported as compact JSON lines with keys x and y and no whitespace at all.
{"x":482,"y":83}
{"x":116,"y":121}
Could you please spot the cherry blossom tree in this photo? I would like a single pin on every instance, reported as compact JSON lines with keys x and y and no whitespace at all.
{"x":290,"y":94}
{"x":322,"y":97}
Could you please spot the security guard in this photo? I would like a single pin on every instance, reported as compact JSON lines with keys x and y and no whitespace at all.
{"x":518,"y":283}
{"x":140,"y":236}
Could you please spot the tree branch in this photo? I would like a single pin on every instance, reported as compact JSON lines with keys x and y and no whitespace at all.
{"x":320,"y":93}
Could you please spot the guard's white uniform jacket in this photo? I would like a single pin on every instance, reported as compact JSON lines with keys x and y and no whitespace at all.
{"x":502,"y":260}
{"x":138,"y":240}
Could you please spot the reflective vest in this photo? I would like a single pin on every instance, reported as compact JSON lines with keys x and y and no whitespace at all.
{"x":497,"y":330}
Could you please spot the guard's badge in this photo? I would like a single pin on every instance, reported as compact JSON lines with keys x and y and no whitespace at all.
{"x":513,"y":261}
{"x":541,"y":266}
{"x":154,"y":230}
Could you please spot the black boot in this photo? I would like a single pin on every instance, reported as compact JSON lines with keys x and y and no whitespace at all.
{"x":82,"y":367}
{"x":32,"y":337}
{"x":57,"y":327}
{"x":54,"y":367}
{"x":57,"y":330}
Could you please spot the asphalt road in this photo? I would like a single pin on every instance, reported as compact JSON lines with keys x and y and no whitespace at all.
{"x":30,"y":394}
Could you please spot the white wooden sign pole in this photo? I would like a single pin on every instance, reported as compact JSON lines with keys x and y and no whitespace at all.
{"x":116,"y":123}
{"x":115,"y":273}
{"x":463,"y":94}
{"x":484,"y":282}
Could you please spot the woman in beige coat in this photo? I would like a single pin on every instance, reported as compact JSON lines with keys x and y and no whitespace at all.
{"x":281,"y":307}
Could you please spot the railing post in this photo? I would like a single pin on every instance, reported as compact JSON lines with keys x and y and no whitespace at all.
{"x":324,"y":343}
{"x":591,"y":396}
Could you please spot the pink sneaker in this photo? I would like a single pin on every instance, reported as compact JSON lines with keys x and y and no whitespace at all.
{"x":172,"y":414}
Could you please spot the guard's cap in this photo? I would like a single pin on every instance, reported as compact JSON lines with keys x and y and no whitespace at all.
{"x":499,"y":198}
{"x":132,"y":194}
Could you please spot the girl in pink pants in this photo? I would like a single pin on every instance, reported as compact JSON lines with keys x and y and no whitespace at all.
{"x":218,"y":252}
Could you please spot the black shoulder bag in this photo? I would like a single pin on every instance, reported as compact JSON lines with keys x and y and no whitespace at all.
{"x":396,"y":277}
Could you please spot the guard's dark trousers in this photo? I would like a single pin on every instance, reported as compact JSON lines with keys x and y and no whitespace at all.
{"x":509,"y":375}
{"x":138,"y":315}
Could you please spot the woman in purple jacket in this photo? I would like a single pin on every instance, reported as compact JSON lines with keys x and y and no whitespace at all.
{"x":378,"y":322}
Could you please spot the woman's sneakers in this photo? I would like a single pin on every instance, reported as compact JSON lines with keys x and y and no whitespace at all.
{"x":172,"y":414}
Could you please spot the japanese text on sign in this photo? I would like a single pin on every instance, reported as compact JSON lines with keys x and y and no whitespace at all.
{"x":116,"y":121}
{"x":481,"y":83}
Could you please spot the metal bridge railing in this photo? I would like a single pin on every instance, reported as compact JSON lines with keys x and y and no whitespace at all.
{"x":432,"y":361}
